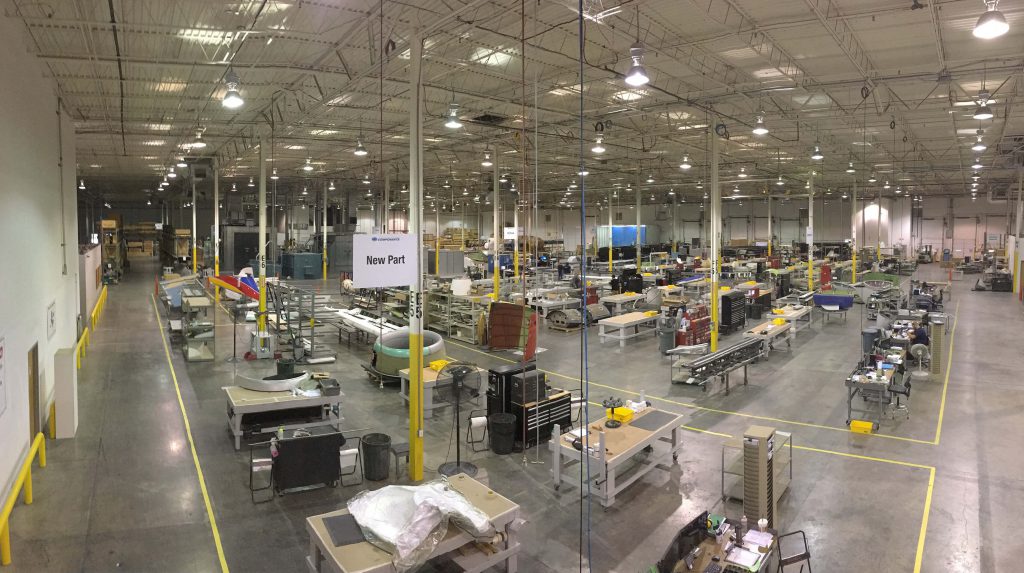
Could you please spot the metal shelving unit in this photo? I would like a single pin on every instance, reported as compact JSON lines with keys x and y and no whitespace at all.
{"x":732,"y":466}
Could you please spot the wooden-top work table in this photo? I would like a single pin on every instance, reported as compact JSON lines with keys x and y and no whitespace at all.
{"x":364,"y":557}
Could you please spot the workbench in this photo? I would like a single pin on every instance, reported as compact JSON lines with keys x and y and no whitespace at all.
{"x":432,"y":379}
{"x":874,"y":390}
{"x":242,"y":402}
{"x":613,"y":452}
{"x":799,"y":316}
{"x":545,"y":305}
{"x":616,"y":302}
{"x":768,"y":332}
{"x":618,"y":327}
{"x":364,"y":557}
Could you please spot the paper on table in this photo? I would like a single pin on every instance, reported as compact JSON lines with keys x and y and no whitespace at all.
{"x":758,"y":538}
{"x":742,"y":557}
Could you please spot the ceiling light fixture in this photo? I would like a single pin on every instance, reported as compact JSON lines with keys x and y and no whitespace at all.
{"x":181,"y":162}
{"x":198,"y":143}
{"x":503,"y":178}
{"x":743,"y":172}
{"x":872,"y":179}
{"x":886,"y":186}
{"x":850,"y":169}
{"x":251,"y":183}
{"x":487,"y":160}
{"x":81,"y":184}
{"x":637,"y":75}
{"x":171,"y":173}
{"x":686,"y":163}
{"x":598,"y":146}
{"x":453,"y":117}
{"x":975,"y":176}
{"x":331,"y":187}
{"x":360,"y":150}
{"x":817,"y":155}
{"x":977,"y":164}
{"x":650,"y":178}
{"x":983,"y":111}
{"x":780,"y":182}
{"x":992,"y":23}
{"x":447,"y":185}
{"x":583,"y":173}
{"x":234,"y":187}
{"x":305,"y":191}
{"x":232,"y":99}
{"x":308,"y":166}
{"x":979,"y":145}
{"x":366,"y":179}
{"x":273,"y":174}
{"x":759,"y":127}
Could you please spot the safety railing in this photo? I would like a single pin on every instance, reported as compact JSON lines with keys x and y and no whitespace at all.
{"x":83,"y":342}
{"x":23,"y":483}
{"x":97,"y":310}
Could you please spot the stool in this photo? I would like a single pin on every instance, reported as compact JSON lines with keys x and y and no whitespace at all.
{"x":399,"y":450}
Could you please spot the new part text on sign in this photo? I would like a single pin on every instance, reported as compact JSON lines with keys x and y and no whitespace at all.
{"x":383,"y":260}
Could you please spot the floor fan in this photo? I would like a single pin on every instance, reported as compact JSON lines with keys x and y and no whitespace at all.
{"x":465,"y":384}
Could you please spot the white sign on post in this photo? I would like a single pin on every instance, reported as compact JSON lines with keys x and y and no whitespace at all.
{"x":383,"y":260}
{"x":510,"y":233}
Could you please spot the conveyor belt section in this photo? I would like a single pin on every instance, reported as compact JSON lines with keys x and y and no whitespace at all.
{"x":726,"y":360}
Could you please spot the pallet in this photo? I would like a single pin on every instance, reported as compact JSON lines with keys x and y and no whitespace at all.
{"x":566,"y":329}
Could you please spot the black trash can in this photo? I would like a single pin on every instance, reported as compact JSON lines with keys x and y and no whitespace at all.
{"x":285,"y":367}
{"x":502,"y":431}
{"x":376,"y":456}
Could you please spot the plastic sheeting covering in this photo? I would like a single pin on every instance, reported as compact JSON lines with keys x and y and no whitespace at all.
{"x":409,"y":521}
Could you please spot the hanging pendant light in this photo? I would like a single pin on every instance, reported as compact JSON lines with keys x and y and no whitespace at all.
{"x":366,"y":179}
{"x":171,"y":173}
{"x":872,"y":179}
{"x":886,"y":186}
{"x":637,"y":75}
{"x":232,"y":99}
{"x":759,"y":127}
{"x":685,"y":165}
{"x":977,"y":164}
{"x":983,"y":111}
{"x":487,"y":160}
{"x":360,"y":150}
{"x":331,"y":187}
{"x":81,"y":184}
{"x":251,"y":183}
{"x":817,"y":155}
{"x":503,"y":178}
{"x":273,"y":174}
{"x":850,"y":169}
{"x":975,"y":176}
{"x":453,"y":117}
{"x":992,"y":23}
{"x":743,"y":173}
{"x":234,"y":187}
{"x":598,"y":145}
{"x":780,"y":182}
{"x":650,"y":178}
{"x":979,"y":145}
{"x":198,"y":143}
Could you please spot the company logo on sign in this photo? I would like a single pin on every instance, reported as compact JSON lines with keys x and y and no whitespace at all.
{"x":393,"y":239}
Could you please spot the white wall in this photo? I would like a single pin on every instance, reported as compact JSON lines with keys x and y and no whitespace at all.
{"x":32,"y":259}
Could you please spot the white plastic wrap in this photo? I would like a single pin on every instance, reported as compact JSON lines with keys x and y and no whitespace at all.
{"x":409,"y":521}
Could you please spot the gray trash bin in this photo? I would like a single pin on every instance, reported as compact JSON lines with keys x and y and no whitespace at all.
{"x":376,"y":456}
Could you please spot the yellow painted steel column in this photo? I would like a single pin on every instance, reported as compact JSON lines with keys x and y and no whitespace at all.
{"x":810,"y":233}
{"x":496,"y":227}
{"x":639,"y":244}
{"x":1016,"y":235}
{"x":416,"y":229}
{"x":261,"y":317}
{"x":216,"y":229}
{"x":770,"y":236}
{"x":515,"y":223}
{"x":715,"y":231}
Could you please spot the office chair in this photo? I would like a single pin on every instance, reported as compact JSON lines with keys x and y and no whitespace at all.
{"x":902,"y":392}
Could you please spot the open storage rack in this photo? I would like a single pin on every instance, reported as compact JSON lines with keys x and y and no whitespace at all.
{"x":299,"y":312}
{"x":732,"y":466}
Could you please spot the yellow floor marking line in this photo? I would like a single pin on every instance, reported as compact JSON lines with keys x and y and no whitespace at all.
{"x":945,"y":384}
{"x":705,"y":408}
{"x":192,"y":446}
{"x":924,"y":522}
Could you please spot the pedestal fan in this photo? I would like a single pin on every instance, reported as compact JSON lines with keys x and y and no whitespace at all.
{"x":465,"y":383}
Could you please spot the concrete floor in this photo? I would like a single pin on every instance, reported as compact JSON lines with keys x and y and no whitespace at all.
{"x":124,"y":494}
